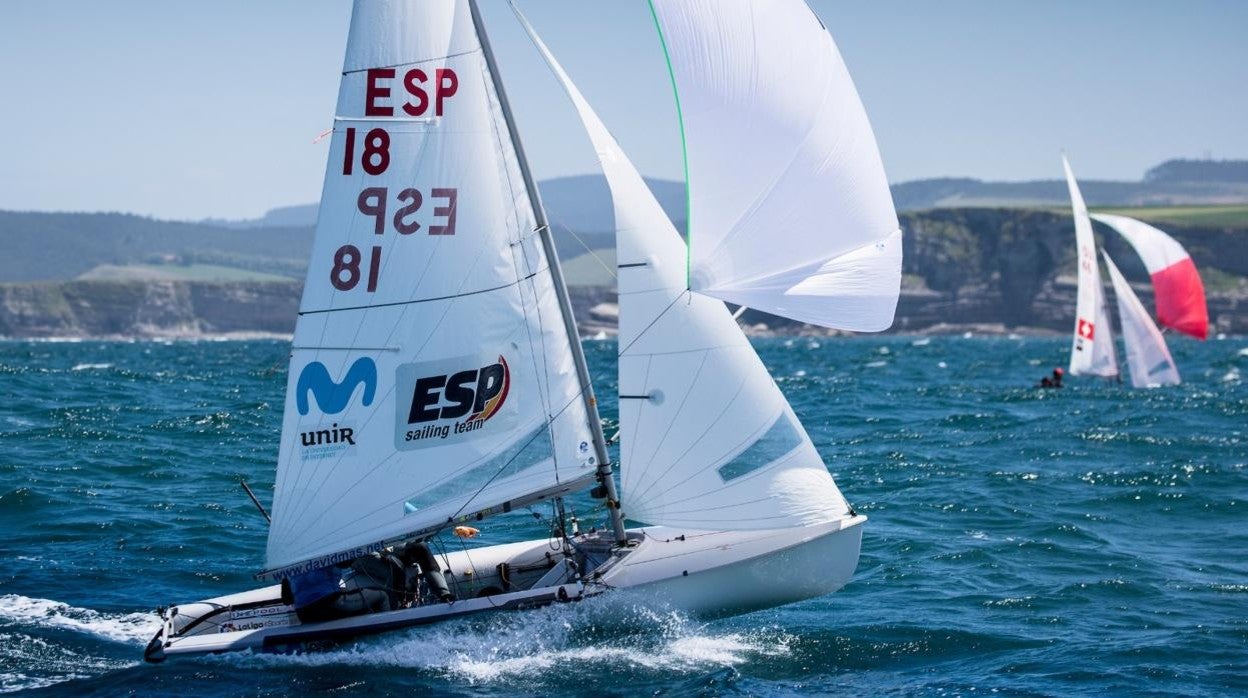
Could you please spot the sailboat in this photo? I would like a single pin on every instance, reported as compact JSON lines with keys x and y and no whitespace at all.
{"x":436,"y":375}
{"x":1177,"y":289}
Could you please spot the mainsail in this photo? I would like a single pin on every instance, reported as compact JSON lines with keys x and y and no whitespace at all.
{"x":789,"y":208}
{"x":1178,"y":292}
{"x":1147,"y":354}
{"x":1092,"y":349}
{"x":432,"y":376}
{"x":707,"y":439}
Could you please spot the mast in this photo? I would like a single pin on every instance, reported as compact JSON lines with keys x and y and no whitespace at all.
{"x":605,"y":478}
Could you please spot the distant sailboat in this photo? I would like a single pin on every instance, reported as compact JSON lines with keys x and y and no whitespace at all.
{"x":447,"y":381}
{"x":1177,"y":290}
{"x":1148,"y":357}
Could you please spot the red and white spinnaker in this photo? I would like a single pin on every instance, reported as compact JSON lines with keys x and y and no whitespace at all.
{"x":1178,"y":294}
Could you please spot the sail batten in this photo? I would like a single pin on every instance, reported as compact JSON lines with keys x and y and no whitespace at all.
{"x":413,"y":301}
{"x":431,"y":376}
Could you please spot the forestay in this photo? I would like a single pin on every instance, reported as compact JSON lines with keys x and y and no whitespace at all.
{"x":431,"y":376}
{"x":1147,"y":354}
{"x":789,"y":208}
{"x":1178,"y":292}
{"x":707,"y":439}
{"x":1092,"y":349}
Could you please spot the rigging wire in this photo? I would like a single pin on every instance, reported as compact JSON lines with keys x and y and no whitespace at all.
{"x":588,"y":249}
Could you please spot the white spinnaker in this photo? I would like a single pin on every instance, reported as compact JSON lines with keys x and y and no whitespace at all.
{"x":1147,"y":354}
{"x":707,"y":439}
{"x":789,"y":208}
{"x":454,"y":373}
{"x":1092,"y":348}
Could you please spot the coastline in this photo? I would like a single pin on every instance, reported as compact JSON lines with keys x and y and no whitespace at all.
{"x":222,"y":311}
{"x":591,"y":332}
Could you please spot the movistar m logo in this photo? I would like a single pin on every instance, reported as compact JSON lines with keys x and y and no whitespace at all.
{"x":332,"y":397}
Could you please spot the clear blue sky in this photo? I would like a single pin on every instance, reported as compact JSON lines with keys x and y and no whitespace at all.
{"x":189,"y":110}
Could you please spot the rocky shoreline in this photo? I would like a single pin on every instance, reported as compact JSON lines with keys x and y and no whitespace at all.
{"x":242,"y":310}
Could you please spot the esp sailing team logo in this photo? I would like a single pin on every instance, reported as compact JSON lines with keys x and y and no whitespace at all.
{"x":444,"y":401}
{"x":331,"y":398}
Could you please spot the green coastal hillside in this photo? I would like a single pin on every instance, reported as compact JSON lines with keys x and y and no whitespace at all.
{"x":65,"y":246}
{"x":1186,"y":216}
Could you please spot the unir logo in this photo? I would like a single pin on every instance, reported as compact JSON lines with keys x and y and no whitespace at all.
{"x":332,"y":397}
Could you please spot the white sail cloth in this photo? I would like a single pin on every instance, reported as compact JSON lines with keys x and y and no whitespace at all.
{"x":1147,"y":354}
{"x":707,"y":439}
{"x":789,"y":208}
{"x":1178,"y":292}
{"x":431,"y":375}
{"x":1092,"y":348}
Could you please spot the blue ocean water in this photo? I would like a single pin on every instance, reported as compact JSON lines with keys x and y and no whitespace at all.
{"x":1087,"y":540}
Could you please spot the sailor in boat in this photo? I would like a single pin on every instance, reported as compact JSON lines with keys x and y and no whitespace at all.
{"x":1053,"y":382}
{"x":381,"y":581}
{"x":420,"y":562}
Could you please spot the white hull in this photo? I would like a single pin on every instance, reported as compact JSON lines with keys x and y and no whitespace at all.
{"x":698,"y":572}
{"x":729,"y":572}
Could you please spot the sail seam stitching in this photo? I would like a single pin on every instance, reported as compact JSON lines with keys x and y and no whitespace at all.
{"x":517,"y":282}
{"x":423,"y":60}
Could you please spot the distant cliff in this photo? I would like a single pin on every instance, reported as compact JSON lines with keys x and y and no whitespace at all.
{"x":147,"y":309}
{"x":1016,"y":268}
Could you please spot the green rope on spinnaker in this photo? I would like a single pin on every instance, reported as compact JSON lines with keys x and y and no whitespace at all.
{"x":684,"y":150}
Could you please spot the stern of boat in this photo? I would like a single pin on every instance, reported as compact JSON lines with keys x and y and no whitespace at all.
{"x":154,"y":653}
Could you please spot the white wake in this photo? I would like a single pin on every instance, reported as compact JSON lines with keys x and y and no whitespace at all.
{"x":530,"y":644}
{"x":45,"y":613}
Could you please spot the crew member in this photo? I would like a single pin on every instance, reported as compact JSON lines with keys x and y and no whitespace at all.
{"x":373,"y":584}
{"x":1052,"y":382}
{"x":312,"y":593}
{"x":419,"y":561}
{"x":369,"y":584}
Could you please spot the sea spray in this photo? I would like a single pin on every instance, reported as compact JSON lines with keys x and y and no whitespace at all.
{"x":46,"y":613}
{"x":600,"y":635}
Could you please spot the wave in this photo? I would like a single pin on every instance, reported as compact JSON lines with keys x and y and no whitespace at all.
{"x":90,"y":367}
{"x":30,"y":662}
{"x":131,"y":628}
